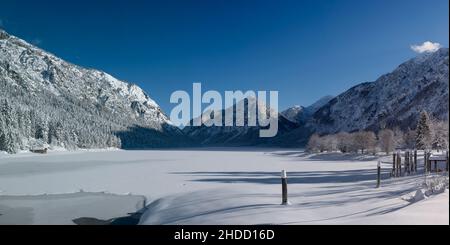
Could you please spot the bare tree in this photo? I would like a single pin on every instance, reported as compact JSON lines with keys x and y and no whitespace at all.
{"x":409,"y":139}
{"x":399,"y":139}
{"x":358,"y":139}
{"x":386,"y":140}
{"x":323,"y":144}
{"x":344,"y":142}
{"x":313,"y":143}
{"x":371,"y":141}
{"x":365,"y":140}
{"x":330,"y":142}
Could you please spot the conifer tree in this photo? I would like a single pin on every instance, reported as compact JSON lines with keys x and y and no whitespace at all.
{"x":423,"y":132}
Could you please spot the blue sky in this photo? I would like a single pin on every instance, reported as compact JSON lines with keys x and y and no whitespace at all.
{"x":303,"y":49}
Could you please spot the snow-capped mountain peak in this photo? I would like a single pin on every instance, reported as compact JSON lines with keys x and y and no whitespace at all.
{"x":241,"y":133}
{"x":300,"y":114}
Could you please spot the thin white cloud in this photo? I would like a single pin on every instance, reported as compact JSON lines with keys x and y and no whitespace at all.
{"x":426,"y":47}
{"x":37,"y":41}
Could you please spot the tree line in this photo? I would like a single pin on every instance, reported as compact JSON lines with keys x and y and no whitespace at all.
{"x":429,"y":133}
{"x":37,"y":119}
{"x":29,"y":119}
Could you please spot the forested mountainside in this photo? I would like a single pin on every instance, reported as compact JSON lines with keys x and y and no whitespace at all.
{"x":46,"y":100}
{"x":394,"y":100}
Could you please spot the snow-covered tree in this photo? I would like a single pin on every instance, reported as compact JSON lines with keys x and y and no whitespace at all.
{"x":8,"y":127}
{"x":330,"y":142}
{"x":344,"y":142}
{"x":439,"y":134}
{"x":386,"y":140}
{"x":364,"y":140}
{"x":423,"y":132}
{"x":399,"y":140}
{"x":313,"y":143}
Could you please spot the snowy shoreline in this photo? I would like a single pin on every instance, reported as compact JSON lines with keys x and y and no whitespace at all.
{"x":226,"y":186}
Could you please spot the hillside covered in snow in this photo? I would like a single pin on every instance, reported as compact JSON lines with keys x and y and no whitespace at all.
{"x":394,"y":100}
{"x":246,"y":135}
{"x":301,"y":114}
{"x":45,"y":100}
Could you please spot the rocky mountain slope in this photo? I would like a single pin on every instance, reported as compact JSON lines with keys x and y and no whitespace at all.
{"x":300,"y":114}
{"x":393,"y":100}
{"x":50,"y":101}
{"x":245,"y":135}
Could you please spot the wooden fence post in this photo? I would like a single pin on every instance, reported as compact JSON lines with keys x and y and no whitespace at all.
{"x":393,"y":165}
{"x":378,"y":174}
{"x":446,"y":161}
{"x":284,"y":199}
{"x":407,"y":163}
{"x":399,"y":164}
{"x":426,"y":162}
{"x":415,"y":161}
{"x":410,"y":163}
{"x":396,"y":164}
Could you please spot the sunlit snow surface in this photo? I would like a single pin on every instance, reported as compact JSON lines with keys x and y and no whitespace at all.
{"x":227,"y":186}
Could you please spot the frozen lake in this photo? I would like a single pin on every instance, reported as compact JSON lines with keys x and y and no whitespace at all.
{"x":229,"y":186}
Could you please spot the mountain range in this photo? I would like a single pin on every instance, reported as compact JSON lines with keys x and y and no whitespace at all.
{"x":395,"y":100}
{"x":238,"y":135}
{"x":45,"y":100}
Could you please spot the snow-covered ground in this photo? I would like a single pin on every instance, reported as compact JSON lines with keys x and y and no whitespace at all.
{"x":228,"y":186}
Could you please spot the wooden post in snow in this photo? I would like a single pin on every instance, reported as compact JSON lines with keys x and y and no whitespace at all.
{"x":426,"y":162}
{"x":399,"y":164}
{"x":415,"y":160}
{"x":411,"y":164}
{"x":378,"y":174}
{"x":284,"y":191}
{"x":393,"y":165}
{"x":446,"y":161}
{"x":407,"y":163}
